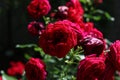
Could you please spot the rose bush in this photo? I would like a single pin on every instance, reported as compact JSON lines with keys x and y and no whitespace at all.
{"x":70,"y":47}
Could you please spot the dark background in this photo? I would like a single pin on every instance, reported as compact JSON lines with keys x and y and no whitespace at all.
{"x":14,"y":20}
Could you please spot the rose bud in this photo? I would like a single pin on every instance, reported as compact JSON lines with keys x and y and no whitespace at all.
{"x":35,"y":69}
{"x":92,"y":45}
{"x":90,"y":68}
{"x":62,"y":12}
{"x":35,"y":28}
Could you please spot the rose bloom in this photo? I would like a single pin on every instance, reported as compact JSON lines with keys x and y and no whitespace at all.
{"x":89,"y":29}
{"x":35,"y":69}
{"x":58,"y":38}
{"x":75,"y":10}
{"x":112,"y":62}
{"x":77,"y":29}
{"x":108,"y":73}
{"x":113,"y":56}
{"x":35,"y":28}
{"x":92,"y":45}
{"x":38,"y":8}
{"x":90,"y":68}
{"x":16,"y":69}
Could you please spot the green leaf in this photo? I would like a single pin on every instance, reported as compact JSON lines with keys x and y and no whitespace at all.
{"x":96,"y":18}
{"x":27,"y":56}
{"x":46,"y":19}
{"x":83,"y":1}
{"x":98,"y":11}
{"x":24,"y":77}
{"x":117,"y":78}
{"x":6,"y":77}
{"x":109,"y":17}
{"x":25,"y":45}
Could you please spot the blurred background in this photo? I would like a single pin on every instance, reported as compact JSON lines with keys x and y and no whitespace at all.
{"x":14,"y":20}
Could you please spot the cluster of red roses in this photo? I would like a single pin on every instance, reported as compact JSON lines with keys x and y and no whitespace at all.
{"x":68,"y":31}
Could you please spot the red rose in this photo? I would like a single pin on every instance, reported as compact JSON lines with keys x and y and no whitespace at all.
{"x":16,"y":69}
{"x":35,"y":69}
{"x":77,"y":29}
{"x":112,"y":62}
{"x":113,"y":56}
{"x":108,"y":73}
{"x":72,"y":11}
{"x":58,"y":38}
{"x":38,"y":8}
{"x":92,"y":45}
{"x":90,"y":30}
{"x":90,"y":68}
{"x":75,"y":10}
{"x":88,"y":26}
{"x":0,"y":77}
{"x":35,"y":28}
